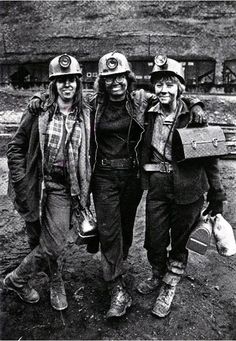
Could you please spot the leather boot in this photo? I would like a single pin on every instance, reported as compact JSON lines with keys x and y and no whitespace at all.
{"x":120,"y":301}
{"x":57,"y":292}
{"x":148,"y":285}
{"x":24,"y":291}
{"x":163,"y":302}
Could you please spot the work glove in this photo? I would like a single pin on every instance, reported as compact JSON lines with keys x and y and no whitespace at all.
{"x":34,"y":105}
{"x":214,"y":207}
{"x":197,"y":116}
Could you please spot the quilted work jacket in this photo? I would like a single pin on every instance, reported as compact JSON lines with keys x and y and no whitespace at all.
{"x":192,"y":178}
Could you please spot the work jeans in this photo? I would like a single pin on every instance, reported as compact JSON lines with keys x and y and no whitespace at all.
{"x":116,"y":194}
{"x":53,"y":241}
{"x":167,"y":221}
{"x":33,"y":229}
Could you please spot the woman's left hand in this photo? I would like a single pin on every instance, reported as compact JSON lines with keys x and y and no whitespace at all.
{"x":197,"y":115}
{"x":215,"y":207}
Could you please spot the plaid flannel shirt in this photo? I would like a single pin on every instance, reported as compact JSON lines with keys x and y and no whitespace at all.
{"x":72,"y":145}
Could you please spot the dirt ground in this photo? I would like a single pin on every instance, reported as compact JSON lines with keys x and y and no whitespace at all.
{"x":204,"y":307}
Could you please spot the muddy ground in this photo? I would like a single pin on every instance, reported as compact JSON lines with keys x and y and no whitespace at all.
{"x":204,"y":307}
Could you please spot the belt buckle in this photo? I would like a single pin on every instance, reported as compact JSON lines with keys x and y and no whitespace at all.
{"x":166,"y":167}
{"x":103,"y":162}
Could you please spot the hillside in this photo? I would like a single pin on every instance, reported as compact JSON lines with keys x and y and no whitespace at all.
{"x":37,"y":30}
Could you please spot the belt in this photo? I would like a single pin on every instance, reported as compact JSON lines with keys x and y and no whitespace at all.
{"x":162,"y":167}
{"x":57,"y":175}
{"x":118,"y":163}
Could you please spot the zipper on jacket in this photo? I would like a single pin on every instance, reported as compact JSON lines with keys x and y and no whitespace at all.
{"x":141,"y":134}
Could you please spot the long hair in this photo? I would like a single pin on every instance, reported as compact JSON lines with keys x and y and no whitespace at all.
{"x":100,"y":87}
{"x":53,"y":95}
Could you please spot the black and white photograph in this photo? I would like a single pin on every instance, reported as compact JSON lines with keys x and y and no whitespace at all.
{"x":118,"y":170}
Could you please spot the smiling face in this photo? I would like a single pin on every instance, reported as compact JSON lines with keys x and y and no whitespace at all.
{"x":66,"y":87}
{"x":167,"y":90}
{"x":116,"y":86}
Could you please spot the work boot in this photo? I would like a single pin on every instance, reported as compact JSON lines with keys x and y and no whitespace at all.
{"x":148,"y":285}
{"x":163,"y":302}
{"x":57,"y":292}
{"x":120,"y":301}
{"x":24,"y":291}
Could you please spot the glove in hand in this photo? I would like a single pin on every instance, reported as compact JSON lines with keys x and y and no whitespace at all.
{"x":214,"y":207}
{"x":198,"y":116}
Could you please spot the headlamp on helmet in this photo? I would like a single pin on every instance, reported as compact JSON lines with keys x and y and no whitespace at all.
{"x":113,"y":63}
{"x":64,"y":65}
{"x":65,"y":61}
{"x":160,"y":60}
{"x":163,"y":65}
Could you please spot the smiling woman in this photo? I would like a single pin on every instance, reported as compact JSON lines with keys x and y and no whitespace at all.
{"x":66,"y":87}
{"x":175,"y":190}
{"x":116,"y":86}
{"x":55,"y":149}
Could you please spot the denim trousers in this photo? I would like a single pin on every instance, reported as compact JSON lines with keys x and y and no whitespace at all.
{"x":168,"y":223}
{"x":53,"y":240}
{"x":33,"y":229}
{"x":116,"y":195}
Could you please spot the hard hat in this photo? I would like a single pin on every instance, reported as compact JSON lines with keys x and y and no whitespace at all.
{"x":163,"y":64}
{"x":64,"y":65}
{"x":113,"y":63}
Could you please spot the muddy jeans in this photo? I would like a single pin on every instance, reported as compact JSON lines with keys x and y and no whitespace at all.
{"x":165,"y":221}
{"x":53,"y":240}
{"x":116,"y":194}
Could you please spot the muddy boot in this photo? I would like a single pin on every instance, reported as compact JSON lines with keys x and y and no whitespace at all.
{"x":120,"y":301}
{"x":163,"y":302}
{"x":57,"y":292}
{"x":24,"y":291}
{"x":148,"y":285}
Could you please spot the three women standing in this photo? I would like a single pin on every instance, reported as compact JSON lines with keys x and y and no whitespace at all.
{"x":117,"y":117}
